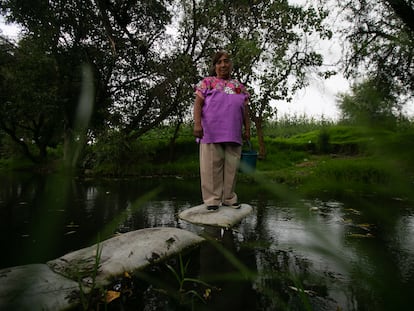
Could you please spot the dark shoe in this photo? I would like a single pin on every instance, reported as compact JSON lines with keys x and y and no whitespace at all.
{"x":212,"y":207}
{"x":234,"y":205}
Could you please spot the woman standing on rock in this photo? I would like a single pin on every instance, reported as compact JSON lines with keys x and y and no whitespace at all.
{"x":220,"y":111}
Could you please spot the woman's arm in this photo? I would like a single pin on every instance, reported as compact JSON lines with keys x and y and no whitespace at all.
{"x":246,"y":121}
{"x":198,"y":129}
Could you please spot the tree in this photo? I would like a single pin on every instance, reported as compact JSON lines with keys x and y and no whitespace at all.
{"x":29,"y":112}
{"x":380,"y":36}
{"x":369,"y":103}
{"x":58,"y":30}
{"x":142,"y":76}
{"x":121,"y":41}
{"x":269,"y":42}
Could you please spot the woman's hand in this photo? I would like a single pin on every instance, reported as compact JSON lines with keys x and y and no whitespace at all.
{"x":198,"y":131}
{"x":246,"y":134}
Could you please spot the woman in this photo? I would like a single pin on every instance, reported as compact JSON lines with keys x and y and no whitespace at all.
{"x":220,"y":111}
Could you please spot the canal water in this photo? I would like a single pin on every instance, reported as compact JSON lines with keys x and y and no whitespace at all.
{"x":291,"y":253}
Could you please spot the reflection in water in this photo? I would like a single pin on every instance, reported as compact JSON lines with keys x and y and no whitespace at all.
{"x":222,"y":264}
{"x":404,"y":239}
{"x":90,"y":197}
{"x":344,"y":255}
{"x":159,"y":214}
{"x":302,"y":247}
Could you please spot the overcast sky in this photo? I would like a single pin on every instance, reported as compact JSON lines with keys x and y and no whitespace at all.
{"x":7,"y":30}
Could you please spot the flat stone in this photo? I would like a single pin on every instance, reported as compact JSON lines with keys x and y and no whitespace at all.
{"x":124,"y":253}
{"x":225,"y":216}
{"x":36,"y":287}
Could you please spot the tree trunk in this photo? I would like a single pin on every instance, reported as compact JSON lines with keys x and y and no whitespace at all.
{"x":42,"y":152}
{"x":21,"y":143}
{"x":67,"y":147}
{"x":173,"y":139}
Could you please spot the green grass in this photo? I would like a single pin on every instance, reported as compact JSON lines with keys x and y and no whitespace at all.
{"x":318,"y":155}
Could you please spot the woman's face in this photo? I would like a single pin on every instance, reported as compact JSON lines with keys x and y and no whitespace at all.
{"x":223,"y":67}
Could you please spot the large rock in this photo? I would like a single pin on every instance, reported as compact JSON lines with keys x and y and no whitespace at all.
{"x":124,"y":253}
{"x":36,"y":287}
{"x":55,"y":286}
{"x":223,"y":217}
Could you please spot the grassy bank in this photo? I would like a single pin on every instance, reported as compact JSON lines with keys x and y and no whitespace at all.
{"x":343,"y":160}
{"x":321,"y":157}
{"x":312,"y":157}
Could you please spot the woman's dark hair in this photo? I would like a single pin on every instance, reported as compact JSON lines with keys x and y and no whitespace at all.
{"x":215,"y":60}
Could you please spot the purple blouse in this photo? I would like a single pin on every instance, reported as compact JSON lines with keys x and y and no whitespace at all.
{"x":223,"y":109}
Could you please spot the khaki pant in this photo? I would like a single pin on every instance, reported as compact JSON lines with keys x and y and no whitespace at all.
{"x":218,"y":169}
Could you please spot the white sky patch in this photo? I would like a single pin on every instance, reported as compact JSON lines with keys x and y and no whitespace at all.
{"x":8,"y":30}
{"x":317,"y":100}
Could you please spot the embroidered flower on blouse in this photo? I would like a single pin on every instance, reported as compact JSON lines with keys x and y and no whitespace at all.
{"x":228,"y":90}
{"x":227,"y":86}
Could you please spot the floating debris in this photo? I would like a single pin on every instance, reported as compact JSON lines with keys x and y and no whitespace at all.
{"x":359,"y":235}
{"x":306,"y":291}
{"x":121,"y":287}
{"x":72,"y":225}
{"x":353,"y":211}
{"x":111,"y":295}
{"x":207,"y":293}
{"x":365,"y":226}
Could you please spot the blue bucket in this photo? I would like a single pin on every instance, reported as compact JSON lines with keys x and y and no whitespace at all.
{"x":248,"y":160}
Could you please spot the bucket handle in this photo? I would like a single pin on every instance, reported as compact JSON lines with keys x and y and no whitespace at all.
{"x":249,"y":144}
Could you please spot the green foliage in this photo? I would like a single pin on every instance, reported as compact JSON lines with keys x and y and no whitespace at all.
{"x":380,"y":40}
{"x":113,"y":154}
{"x":86,"y":294}
{"x":342,"y":160}
{"x":288,"y":126}
{"x":183,"y":280}
{"x":151,"y":154}
{"x":336,"y":158}
{"x":143,"y":75}
{"x":369,"y":103}
{"x":282,"y":153}
{"x":30,"y":115}
{"x":323,"y":141}
{"x":355,"y":177}
{"x":15,"y":164}
{"x":136,"y":87}
{"x":348,"y":134}
{"x":365,"y":170}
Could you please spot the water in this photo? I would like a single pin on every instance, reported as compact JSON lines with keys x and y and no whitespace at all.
{"x":345,"y":255}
